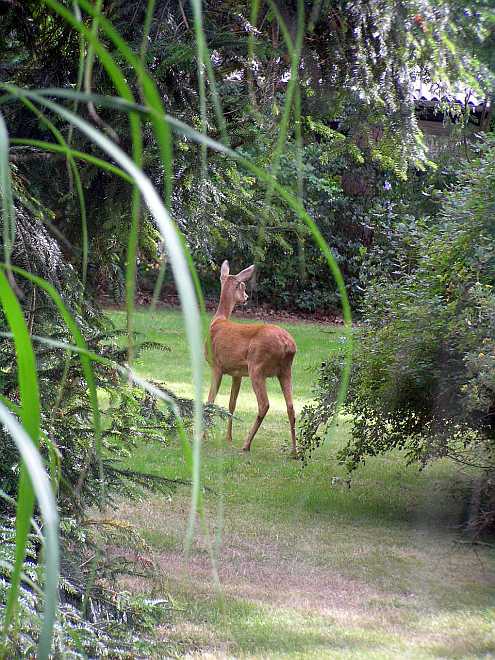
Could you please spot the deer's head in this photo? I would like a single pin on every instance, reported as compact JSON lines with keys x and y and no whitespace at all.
{"x":234,"y":286}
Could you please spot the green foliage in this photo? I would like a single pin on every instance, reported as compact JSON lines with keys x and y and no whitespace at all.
{"x":228,"y":216}
{"x":117,"y":624}
{"x":424,"y":373}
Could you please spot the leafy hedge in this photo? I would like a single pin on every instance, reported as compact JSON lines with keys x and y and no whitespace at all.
{"x":423,"y":378}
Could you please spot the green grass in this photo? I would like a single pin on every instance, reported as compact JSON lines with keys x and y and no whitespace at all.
{"x":307,"y":569}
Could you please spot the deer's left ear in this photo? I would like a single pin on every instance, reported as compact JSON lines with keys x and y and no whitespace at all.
{"x":245,"y":274}
{"x":225,"y":270}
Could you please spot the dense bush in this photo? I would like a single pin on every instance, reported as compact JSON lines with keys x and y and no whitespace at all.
{"x":230,"y":215}
{"x":423,"y":377}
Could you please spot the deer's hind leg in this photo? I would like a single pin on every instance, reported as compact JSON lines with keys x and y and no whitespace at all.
{"x":234,"y":391}
{"x":285,"y":379}
{"x":258,"y":381}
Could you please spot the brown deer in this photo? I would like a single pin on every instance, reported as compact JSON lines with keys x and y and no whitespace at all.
{"x":259,"y":351}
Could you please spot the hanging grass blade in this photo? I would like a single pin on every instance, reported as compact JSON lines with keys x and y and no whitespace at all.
{"x":80,"y":155}
{"x":8,"y":210}
{"x":30,"y":416}
{"x":204,"y":64}
{"x":295,"y":50}
{"x":33,"y":466}
{"x":179,"y":266}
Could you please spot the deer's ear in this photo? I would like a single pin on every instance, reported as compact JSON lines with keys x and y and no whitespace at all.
{"x":245,"y":274}
{"x":225,"y":270}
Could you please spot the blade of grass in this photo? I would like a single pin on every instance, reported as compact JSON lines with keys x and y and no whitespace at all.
{"x":300,"y":177}
{"x":80,"y":155}
{"x":255,"y":8}
{"x":144,"y":47}
{"x":204,"y":63}
{"x":79,"y":82}
{"x":295,"y":50}
{"x":41,"y":485}
{"x":88,"y":72}
{"x":179,"y":266}
{"x":148,"y":19}
{"x":8,"y":210}
{"x":30,"y":415}
{"x":202,"y":94}
{"x":80,"y":68}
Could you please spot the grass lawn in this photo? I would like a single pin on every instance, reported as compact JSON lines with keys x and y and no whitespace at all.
{"x":307,"y":569}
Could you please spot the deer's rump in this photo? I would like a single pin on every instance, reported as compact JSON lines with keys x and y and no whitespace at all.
{"x":239,"y":349}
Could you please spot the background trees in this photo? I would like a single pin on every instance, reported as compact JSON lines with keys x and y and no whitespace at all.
{"x":349,"y":130}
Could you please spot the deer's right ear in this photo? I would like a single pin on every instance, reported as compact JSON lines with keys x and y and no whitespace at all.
{"x":245,"y":274}
{"x":225,"y":270}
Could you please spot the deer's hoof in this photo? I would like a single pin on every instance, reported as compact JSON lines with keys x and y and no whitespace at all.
{"x":246,"y":450}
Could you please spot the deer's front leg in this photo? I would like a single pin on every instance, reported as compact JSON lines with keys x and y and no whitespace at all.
{"x":216,"y":379}
{"x":236,"y":385}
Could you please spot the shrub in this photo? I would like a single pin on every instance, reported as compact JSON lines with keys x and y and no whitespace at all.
{"x":423,"y":377}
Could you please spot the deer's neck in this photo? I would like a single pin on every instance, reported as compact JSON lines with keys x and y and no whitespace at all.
{"x":225,"y":307}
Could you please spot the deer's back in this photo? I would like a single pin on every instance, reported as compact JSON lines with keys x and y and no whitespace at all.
{"x":237,"y":348}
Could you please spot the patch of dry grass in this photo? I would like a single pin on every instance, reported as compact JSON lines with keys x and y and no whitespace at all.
{"x":412,"y":595}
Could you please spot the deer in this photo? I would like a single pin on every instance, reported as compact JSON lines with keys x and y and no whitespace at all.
{"x":255,"y":350}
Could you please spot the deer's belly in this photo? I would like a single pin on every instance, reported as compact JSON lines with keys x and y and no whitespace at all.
{"x":235,"y":370}
{"x":235,"y":366}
